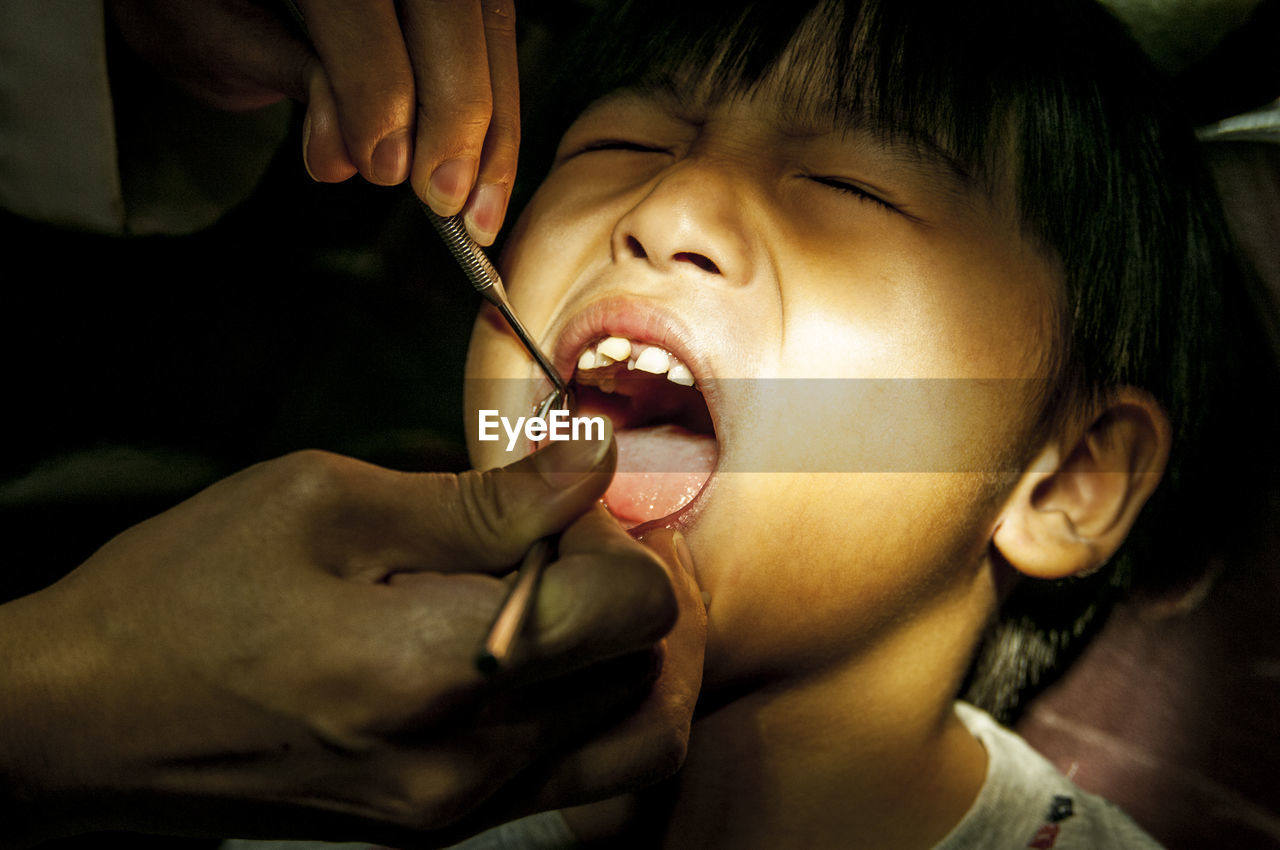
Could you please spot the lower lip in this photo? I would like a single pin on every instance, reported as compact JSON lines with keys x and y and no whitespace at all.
{"x":682,"y":517}
{"x":682,"y":520}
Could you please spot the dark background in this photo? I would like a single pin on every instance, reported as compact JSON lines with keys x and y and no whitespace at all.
{"x":140,"y":370}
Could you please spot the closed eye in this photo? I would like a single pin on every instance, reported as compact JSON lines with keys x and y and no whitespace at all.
{"x":854,"y":189}
{"x":619,"y":145}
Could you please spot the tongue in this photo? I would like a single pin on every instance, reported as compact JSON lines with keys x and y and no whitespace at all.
{"x":660,"y":469}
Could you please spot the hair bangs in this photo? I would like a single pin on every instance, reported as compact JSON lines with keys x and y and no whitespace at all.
{"x":871,"y":66}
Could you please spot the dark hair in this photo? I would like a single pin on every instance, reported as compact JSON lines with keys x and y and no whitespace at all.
{"x":1107,"y":178}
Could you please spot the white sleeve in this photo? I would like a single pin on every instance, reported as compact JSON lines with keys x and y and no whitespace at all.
{"x":1260,"y":125}
{"x":141,"y":159}
{"x":57,"y":133}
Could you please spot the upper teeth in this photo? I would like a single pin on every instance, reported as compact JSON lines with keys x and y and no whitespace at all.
{"x":646,"y":358}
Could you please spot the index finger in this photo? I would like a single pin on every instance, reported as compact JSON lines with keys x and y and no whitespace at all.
{"x":364,"y":56}
{"x":606,"y":595}
{"x":446,"y":40}
{"x":651,"y":744}
{"x":487,"y":206}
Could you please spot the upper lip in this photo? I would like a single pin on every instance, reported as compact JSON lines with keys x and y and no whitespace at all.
{"x":639,"y":320}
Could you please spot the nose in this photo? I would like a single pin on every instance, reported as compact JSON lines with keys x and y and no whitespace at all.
{"x":691,"y":220}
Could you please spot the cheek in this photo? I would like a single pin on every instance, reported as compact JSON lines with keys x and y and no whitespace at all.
{"x":497,"y":378}
{"x":905,"y":304}
{"x":833,"y":564}
{"x":556,"y":247}
{"x":883,"y":425}
{"x":543,"y":256}
{"x":533,"y":270}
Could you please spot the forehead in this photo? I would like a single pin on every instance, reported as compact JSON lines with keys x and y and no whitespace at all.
{"x":864,"y":68}
{"x":798,"y":116}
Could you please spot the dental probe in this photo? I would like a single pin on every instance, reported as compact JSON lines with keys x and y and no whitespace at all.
{"x":484,"y":277}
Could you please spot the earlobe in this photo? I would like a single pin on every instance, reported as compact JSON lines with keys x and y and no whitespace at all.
{"x":1077,"y":501}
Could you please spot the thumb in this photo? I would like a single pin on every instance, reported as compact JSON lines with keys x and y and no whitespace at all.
{"x":487,"y":520}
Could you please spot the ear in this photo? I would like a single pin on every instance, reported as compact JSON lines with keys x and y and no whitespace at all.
{"x":1076,"y":503}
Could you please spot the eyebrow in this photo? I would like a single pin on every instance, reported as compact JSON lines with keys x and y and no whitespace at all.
{"x":914,"y":147}
{"x":920,"y":152}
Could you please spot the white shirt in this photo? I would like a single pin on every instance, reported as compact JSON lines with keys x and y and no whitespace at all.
{"x":1024,"y":803}
{"x":176,"y":166}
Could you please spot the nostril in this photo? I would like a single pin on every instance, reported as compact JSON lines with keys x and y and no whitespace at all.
{"x":637,"y":250}
{"x":701,"y":261}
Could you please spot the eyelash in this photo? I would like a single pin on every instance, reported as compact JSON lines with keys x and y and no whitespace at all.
{"x":619,"y":145}
{"x":830,"y":182}
{"x":855,"y":190}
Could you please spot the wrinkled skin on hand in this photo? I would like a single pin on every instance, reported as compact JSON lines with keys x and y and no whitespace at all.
{"x":424,"y":91}
{"x":290,"y":653}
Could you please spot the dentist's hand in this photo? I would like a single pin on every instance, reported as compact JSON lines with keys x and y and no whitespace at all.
{"x":422,"y":90}
{"x":291,"y":653}
{"x":647,"y":746}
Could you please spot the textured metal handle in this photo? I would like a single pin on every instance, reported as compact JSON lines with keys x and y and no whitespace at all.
{"x":484,"y":277}
{"x":475,"y":265}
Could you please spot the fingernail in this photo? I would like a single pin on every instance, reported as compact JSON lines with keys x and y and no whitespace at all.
{"x":566,"y":462}
{"x":450,"y":184}
{"x":683,"y":555}
{"x":306,"y":144}
{"x":484,"y":216}
{"x":391,"y":159}
{"x":684,"y":560}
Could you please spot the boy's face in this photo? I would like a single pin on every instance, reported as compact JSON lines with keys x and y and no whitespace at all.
{"x":763,"y":251}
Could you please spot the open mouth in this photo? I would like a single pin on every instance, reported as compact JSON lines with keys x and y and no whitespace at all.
{"x":667,"y":446}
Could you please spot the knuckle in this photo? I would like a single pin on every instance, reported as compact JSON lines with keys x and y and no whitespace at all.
{"x":663,"y":756}
{"x":315,"y":486}
{"x":468,"y":117}
{"x":439,"y":794}
{"x":503,"y":148}
{"x":670,"y":745}
{"x":488,"y":515}
{"x":342,"y":734}
{"x":376,"y":107}
{"x":391,"y":94}
{"x":343,"y":728}
{"x":505,"y":130}
{"x":671,"y":758}
{"x":310,"y":475}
